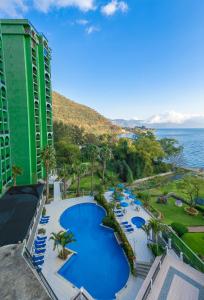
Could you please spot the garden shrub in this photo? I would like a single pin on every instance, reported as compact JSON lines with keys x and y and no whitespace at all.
{"x":180,"y":229}
{"x":110,"y":221}
{"x":43,"y":212}
{"x":153,"y":247}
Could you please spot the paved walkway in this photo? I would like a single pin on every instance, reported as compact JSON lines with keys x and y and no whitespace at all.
{"x":196,"y":229}
{"x":57,"y":191}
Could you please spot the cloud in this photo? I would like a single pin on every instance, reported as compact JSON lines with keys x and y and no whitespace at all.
{"x":114,"y":6}
{"x":91,"y":29}
{"x":82,"y":22}
{"x":176,"y":118}
{"x":46,"y":5}
{"x":13,"y":8}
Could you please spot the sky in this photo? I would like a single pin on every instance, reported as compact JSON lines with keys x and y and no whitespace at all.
{"x":126,"y":59}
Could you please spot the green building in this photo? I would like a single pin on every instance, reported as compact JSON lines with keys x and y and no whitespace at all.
{"x":5,"y":158}
{"x":27,"y":56}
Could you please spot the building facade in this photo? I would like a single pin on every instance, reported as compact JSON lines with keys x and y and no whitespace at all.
{"x":27,"y":70}
{"x":5,"y":155}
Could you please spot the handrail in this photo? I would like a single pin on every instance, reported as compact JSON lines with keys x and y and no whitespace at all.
{"x":146,"y":292}
{"x":39,"y":275}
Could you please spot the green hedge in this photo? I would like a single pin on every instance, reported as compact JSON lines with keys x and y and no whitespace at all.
{"x":110,"y":221}
{"x":180,"y":229}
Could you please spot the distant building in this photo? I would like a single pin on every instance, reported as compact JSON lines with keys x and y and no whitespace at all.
{"x":26,"y":57}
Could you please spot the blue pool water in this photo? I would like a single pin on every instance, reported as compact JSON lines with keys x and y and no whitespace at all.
{"x":138,"y":221}
{"x":100,"y":265}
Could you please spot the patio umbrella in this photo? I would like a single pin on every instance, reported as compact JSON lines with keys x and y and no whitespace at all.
{"x":112,"y":189}
{"x":132,"y":196}
{"x":120,"y":185}
{"x":124,"y":204}
{"x":121,"y":198}
{"x":138,"y":202}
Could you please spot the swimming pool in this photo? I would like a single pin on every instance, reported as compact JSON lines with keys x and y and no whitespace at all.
{"x":138,"y":221}
{"x":100,"y":265}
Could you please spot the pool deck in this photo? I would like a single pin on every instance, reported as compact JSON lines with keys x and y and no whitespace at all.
{"x":62,"y":287}
{"x":138,"y":238}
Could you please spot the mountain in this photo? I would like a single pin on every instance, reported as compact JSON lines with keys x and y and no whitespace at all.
{"x":169,"y":119}
{"x":131,"y":123}
{"x":72,"y":113}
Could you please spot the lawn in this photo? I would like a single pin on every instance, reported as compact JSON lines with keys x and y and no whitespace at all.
{"x":86,"y":183}
{"x":173,"y":213}
{"x":195,"y":241}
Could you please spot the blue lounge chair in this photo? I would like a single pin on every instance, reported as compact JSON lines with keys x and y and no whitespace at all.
{"x":36,"y":242}
{"x":39,"y":251}
{"x":41,"y":238}
{"x":130,"y":230}
{"x":37,"y":258}
{"x":124,"y":223}
{"x":119,"y":215}
{"x":44,"y":219}
{"x":128,"y":226}
{"x":43,"y":222}
{"x":38,"y":263}
{"x":40,"y":246}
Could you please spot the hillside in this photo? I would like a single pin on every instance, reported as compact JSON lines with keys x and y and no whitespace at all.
{"x":72,"y":113}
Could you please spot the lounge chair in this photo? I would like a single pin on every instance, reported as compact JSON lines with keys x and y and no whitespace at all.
{"x":37,"y":258}
{"x":120,"y":215}
{"x":130,"y":229}
{"x":39,"y":251}
{"x":40,"y":246}
{"x":43,"y":222}
{"x":124,"y":223}
{"x":41,"y":238}
{"x":37,"y":242}
{"x":128,"y":226}
{"x":38,"y":263}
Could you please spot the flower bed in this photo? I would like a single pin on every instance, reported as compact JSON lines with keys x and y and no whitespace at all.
{"x":191,"y":211}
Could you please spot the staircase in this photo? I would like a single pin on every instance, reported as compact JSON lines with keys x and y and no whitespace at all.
{"x":142,"y":268}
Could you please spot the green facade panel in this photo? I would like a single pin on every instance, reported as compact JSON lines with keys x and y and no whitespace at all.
{"x":25,"y":70}
{"x":5,"y":155}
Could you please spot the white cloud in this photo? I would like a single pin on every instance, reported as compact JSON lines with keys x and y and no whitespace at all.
{"x":114,"y":6}
{"x":13,"y":8}
{"x":46,"y":5}
{"x":82,"y":22}
{"x":91,"y":29}
{"x":173,"y":117}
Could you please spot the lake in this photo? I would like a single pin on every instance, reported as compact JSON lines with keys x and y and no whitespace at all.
{"x":192,"y":141}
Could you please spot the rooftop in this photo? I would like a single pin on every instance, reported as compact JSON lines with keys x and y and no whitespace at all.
{"x":17,"y":208}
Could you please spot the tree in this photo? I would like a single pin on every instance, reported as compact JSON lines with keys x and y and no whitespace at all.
{"x":66,"y":152}
{"x":105,"y":156}
{"x":147,"y":229}
{"x":190,"y":186}
{"x":91,"y":153}
{"x":48,"y":158}
{"x":146,"y":197}
{"x":62,"y":239}
{"x":16,"y":171}
{"x":79,"y":169}
{"x":156,"y":227}
{"x":65,"y":174}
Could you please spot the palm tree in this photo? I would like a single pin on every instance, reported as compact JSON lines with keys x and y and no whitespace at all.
{"x":79,"y":170}
{"x":91,"y":152}
{"x":62,"y":238}
{"x":48,"y":158}
{"x":147,"y":229}
{"x":156,"y":227}
{"x":16,"y":171}
{"x":64,"y":174}
{"x":56,"y":238}
{"x":105,"y":155}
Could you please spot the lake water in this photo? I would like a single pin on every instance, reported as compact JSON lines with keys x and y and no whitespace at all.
{"x":192,"y":141}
